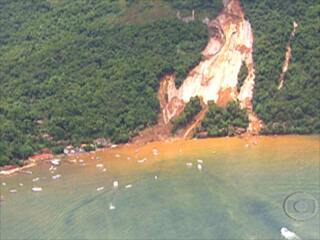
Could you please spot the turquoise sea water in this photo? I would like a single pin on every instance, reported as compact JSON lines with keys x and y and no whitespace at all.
{"x":239,"y":194}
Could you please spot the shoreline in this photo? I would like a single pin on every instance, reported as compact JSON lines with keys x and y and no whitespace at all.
{"x":28,"y":164}
{"x":33,"y":163}
{"x":16,"y":169}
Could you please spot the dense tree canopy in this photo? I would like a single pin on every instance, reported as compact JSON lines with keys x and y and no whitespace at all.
{"x":224,"y":121}
{"x":72,"y":71}
{"x":296,"y":107}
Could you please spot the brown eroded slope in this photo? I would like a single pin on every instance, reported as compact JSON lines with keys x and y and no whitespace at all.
{"x":288,"y":56}
{"x":215,"y":78}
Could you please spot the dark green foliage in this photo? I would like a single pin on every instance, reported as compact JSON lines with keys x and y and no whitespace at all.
{"x":78,"y":70}
{"x":192,"y":108}
{"x":220,"y":121}
{"x":242,"y":75}
{"x":296,"y":107}
{"x":72,"y":70}
{"x":89,"y":148}
{"x":57,"y":149}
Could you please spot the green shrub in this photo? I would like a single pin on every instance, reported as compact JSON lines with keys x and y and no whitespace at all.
{"x":57,"y":149}
{"x":89,"y":148}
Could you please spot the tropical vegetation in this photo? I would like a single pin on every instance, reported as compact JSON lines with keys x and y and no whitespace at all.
{"x":224,"y":121}
{"x":73,"y":71}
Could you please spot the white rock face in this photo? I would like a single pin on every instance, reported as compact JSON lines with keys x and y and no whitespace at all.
{"x":215,"y":78}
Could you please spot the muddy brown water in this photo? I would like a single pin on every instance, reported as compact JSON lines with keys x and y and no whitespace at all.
{"x":238,"y":194}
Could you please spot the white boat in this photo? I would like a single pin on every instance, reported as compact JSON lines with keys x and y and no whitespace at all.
{"x":35,"y":179}
{"x":99,"y":165}
{"x":104,"y":170}
{"x":199,"y":161}
{"x":287,"y":234}
{"x":199,"y":166}
{"x":155,"y":152}
{"x":117,"y":155}
{"x":111,"y":206}
{"x":13,"y":191}
{"x":55,"y":162}
{"x":100,"y":189}
{"x":3,"y":184}
{"x":56,"y":176}
{"x":155,"y":177}
{"x":114,"y":146}
{"x":189,"y":164}
{"x":141,"y":160}
{"x":36,"y":189}
{"x":115,"y":184}
{"x":21,"y":184}
{"x":128,"y":186}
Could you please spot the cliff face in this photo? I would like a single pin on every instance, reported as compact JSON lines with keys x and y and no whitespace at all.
{"x":215,"y":78}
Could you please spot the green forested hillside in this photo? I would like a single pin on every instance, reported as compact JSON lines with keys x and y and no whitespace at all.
{"x":296,"y":107}
{"x":72,"y":71}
